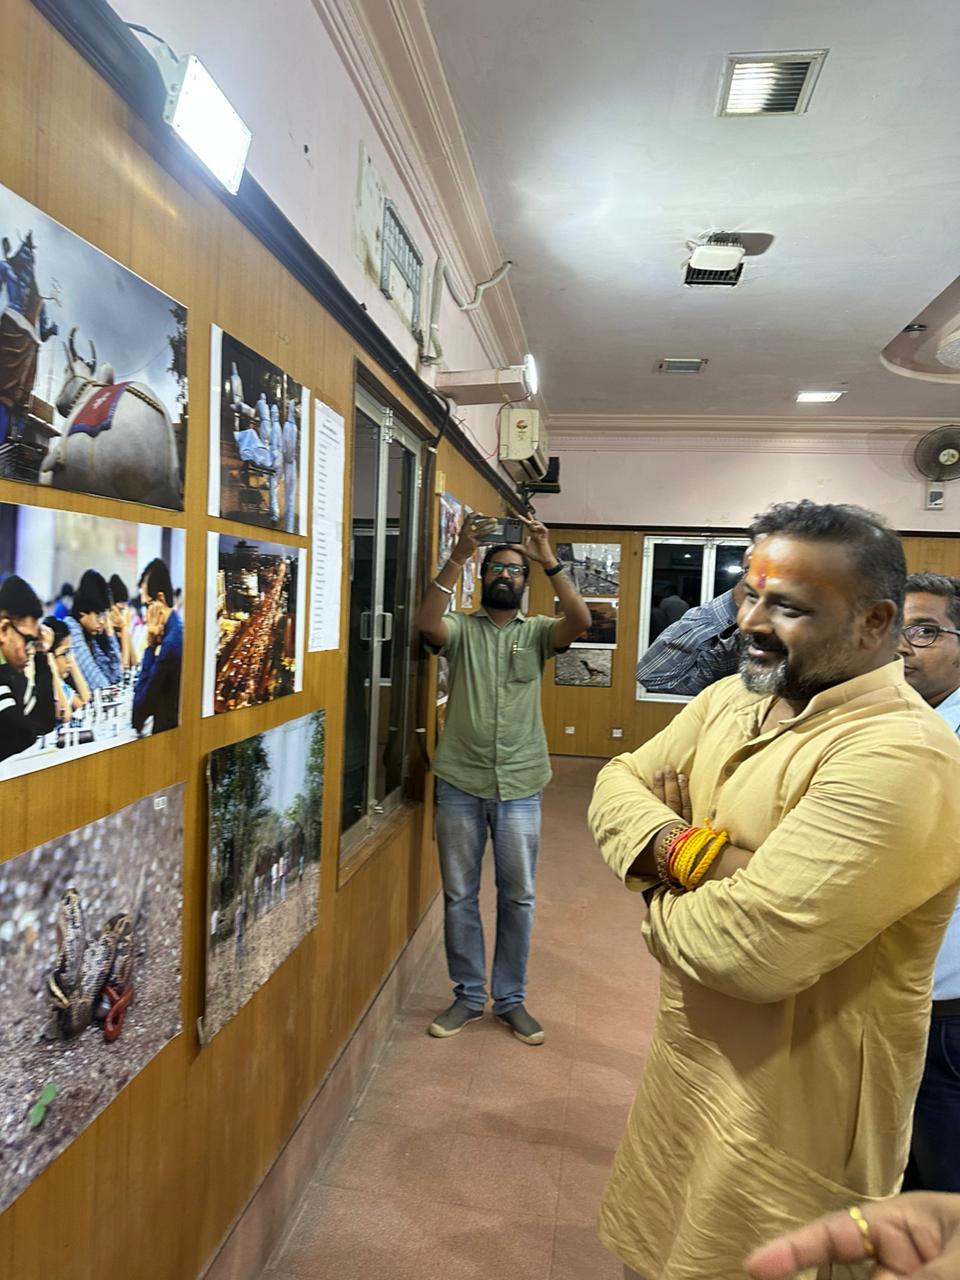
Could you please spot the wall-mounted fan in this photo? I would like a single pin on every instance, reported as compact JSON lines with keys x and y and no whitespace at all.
{"x":937,"y":457}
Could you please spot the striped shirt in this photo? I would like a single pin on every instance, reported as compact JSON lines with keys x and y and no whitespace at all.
{"x":99,"y":660}
{"x":695,"y":651}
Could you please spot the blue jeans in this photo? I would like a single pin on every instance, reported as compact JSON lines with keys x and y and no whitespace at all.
{"x":935,"y":1150}
{"x":514,"y":825}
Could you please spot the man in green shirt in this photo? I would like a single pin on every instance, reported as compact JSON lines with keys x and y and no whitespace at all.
{"x":492,"y":763}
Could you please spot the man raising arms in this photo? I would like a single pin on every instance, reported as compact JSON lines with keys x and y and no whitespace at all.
{"x":491,"y":764}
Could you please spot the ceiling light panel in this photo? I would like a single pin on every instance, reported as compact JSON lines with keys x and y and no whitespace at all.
{"x":818,"y":397}
{"x":769,"y":84}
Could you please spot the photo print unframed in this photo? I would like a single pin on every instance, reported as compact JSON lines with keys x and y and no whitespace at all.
{"x":259,"y":439}
{"x":602,"y":632}
{"x":93,"y":367}
{"x":90,"y":943}
{"x":594,"y":567}
{"x":256,"y":598}
{"x":585,"y":668}
{"x":263,"y":884}
{"x":108,"y":669}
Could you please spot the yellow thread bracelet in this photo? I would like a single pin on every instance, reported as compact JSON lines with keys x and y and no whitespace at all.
{"x":712,"y":852}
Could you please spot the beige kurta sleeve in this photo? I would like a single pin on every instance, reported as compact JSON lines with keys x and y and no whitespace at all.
{"x":624,"y":813}
{"x":872,"y":839}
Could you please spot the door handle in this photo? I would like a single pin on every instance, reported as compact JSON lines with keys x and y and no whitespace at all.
{"x":385,"y":626}
{"x":365,"y":626}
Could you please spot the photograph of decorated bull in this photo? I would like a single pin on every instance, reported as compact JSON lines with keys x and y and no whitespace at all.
{"x":259,"y":419}
{"x":91,"y":634}
{"x":93,"y":367}
{"x":89,"y":975}
{"x":266,"y":807}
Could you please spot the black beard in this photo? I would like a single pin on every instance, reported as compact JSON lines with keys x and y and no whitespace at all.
{"x":782,"y":680}
{"x":500,"y":595}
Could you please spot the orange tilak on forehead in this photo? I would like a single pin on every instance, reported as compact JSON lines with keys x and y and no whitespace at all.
{"x":787,"y":563}
{"x":759,"y":571}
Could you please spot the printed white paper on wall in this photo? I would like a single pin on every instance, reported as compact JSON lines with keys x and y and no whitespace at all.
{"x":327,"y":530}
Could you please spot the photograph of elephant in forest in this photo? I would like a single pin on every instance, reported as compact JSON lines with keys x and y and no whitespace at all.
{"x":266,"y":809}
{"x":93,"y":367}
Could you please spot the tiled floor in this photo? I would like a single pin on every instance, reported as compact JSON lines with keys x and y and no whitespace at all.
{"x":479,"y":1157}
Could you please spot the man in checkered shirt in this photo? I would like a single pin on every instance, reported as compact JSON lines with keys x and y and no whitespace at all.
{"x":695,"y":651}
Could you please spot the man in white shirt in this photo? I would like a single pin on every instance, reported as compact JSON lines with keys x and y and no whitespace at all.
{"x":930,"y":648}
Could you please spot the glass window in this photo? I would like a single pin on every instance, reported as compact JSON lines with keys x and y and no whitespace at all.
{"x":380,"y":667}
{"x":678,"y":574}
{"x":675,"y":583}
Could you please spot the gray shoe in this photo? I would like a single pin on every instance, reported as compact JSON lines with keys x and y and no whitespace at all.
{"x":522,"y":1025}
{"x":453,"y":1020}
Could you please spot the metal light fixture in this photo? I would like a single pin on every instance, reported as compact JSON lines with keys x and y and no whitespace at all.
{"x":198,"y":112}
{"x":818,"y":397}
{"x":491,"y":386}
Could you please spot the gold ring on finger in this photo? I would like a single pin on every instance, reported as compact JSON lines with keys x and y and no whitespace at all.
{"x":863,"y":1226}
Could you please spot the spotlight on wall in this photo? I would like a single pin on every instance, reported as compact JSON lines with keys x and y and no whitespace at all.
{"x":200,"y":114}
{"x":491,"y":386}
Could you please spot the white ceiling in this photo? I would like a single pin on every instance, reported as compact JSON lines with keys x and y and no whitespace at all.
{"x":591,"y":124}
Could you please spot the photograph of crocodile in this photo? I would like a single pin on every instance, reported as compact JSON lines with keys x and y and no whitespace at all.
{"x":89,"y":975}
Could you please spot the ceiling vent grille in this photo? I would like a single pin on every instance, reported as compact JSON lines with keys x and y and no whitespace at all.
{"x":716,"y":261}
{"x":681,"y":364}
{"x":769,"y":84}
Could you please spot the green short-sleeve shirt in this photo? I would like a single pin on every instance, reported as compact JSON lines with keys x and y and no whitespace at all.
{"x":494,"y":744}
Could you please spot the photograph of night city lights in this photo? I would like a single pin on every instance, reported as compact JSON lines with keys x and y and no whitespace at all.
{"x":255,"y":611}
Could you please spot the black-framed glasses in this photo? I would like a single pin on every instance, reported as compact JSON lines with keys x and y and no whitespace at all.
{"x":923,"y":634}
{"x":514,"y":570}
{"x":30,"y":643}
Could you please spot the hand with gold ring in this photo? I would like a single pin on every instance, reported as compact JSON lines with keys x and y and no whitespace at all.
{"x":917,"y":1234}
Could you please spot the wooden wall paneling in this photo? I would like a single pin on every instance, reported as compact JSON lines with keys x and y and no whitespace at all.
{"x":933,"y":555}
{"x":594,"y":713}
{"x":189,"y":1140}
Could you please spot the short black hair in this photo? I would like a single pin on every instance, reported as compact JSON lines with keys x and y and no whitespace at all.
{"x":19,"y":600}
{"x":60,"y":630}
{"x":876,"y":550}
{"x":504,"y":546}
{"x":118,"y":589}
{"x":66,"y":589}
{"x":92,"y":595}
{"x":156,"y":578}
{"x":938,"y":584}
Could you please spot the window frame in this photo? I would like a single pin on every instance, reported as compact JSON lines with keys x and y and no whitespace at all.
{"x":710,"y":542}
{"x":378,"y":809}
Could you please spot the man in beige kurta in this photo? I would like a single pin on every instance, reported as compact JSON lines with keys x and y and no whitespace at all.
{"x":795,"y":983}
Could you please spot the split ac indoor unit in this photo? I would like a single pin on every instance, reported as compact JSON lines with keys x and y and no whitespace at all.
{"x":523,"y":445}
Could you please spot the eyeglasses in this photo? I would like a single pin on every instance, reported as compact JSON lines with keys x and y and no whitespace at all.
{"x":30,"y":643}
{"x":924,"y":634}
{"x":496,"y":568}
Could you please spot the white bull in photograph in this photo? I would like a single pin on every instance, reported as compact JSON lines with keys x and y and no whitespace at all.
{"x":118,"y":439}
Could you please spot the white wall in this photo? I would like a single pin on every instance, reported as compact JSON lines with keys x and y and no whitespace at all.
{"x":723,"y":480}
{"x":280,"y":69}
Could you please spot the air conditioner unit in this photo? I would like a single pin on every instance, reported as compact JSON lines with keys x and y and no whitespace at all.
{"x":523,"y":445}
